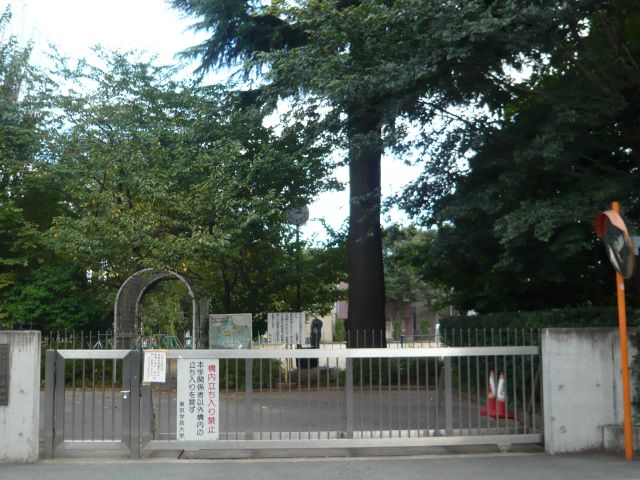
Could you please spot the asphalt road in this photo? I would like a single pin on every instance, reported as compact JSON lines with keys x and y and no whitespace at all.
{"x":439,"y":467}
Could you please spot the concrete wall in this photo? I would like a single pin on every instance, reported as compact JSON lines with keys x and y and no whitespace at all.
{"x":582,"y":387}
{"x":19,"y":432}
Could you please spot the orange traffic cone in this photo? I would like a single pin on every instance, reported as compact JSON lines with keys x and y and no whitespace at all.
{"x":491,"y":397}
{"x":502,"y":398}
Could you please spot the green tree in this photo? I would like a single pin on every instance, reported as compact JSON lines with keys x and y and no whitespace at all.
{"x":17,"y":133}
{"x":357,"y":69}
{"x":324,"y":266}
{"x":166,"y":309}
{"x":516,"y":231}
{"x":37,"y":288}
{"x":403,"y":282}
{"x":174,"y":175}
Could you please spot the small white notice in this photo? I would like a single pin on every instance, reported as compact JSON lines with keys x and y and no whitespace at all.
{"x":286,"y":327}
{"x":155,"y":366}
{"x":197,"y":399}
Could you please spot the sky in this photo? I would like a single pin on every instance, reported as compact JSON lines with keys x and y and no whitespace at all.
{"x":74,"y":26}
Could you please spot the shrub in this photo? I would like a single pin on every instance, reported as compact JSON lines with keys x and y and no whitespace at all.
{"x":565,"y":317}
{"x":339,"y":331}
{"x":397,"y":330}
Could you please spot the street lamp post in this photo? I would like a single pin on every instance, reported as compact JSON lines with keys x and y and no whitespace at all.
{"x":298,"y":217}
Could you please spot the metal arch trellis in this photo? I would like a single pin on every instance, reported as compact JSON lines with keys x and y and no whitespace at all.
{"x":130,"y":293}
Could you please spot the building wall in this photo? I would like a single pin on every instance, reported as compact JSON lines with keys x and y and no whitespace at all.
{"x":422,"y":311}
{"x":19,"y":431}
{"x":342,"y":307}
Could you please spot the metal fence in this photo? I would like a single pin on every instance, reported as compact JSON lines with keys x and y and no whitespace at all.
{"x":489,"y":337}
{"x":81,"y":340}
{"x":298,"y":399}
{"x":456,"y":337}
{"x":99,"y":340}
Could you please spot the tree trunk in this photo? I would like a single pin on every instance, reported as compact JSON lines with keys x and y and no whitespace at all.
{"x":366,"y":322}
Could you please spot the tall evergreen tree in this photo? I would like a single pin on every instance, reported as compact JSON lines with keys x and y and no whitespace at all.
{"x":360,"y":68}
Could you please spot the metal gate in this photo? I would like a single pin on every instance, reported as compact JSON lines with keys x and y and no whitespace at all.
{"x":308,"y":401}
{"x":92,"y":402}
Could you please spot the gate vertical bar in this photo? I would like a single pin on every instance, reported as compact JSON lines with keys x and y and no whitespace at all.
{"x":134,"y":399}
{"x":236,"y":403}
{"x":260,"y":397}
{"x":49,"y":402}
{"x":448,"y":396}
{"x":125,"y":393}
{"x":59,"y":400}
{"x":103,"y":392}
{"x":84,"y":395}
{"x":348,"y":388}
{"x":426,"y":396}
{"x":73,"y":399}
{"x":146,"y":417}
{"x":248,"y":397}
{"x":93,"y":398}
{"x":436,"y":368}
{"x":114,"y":364}
{"x":534,"y":383}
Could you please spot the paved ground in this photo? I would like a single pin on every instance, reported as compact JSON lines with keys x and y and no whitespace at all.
{"x":520,"y":466}
{"x":97,"y":415}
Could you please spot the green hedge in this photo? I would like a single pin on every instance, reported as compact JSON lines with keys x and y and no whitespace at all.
{"x":566,"y":317}
{"x":265,"y":372}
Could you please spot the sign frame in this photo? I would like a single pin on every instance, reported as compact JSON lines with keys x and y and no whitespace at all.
{"x":155,"y":366}
{"x":286,"y":328}
{"x":226,"y":325}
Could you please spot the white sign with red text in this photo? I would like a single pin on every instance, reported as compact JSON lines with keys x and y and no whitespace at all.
{"x":198,"y":399}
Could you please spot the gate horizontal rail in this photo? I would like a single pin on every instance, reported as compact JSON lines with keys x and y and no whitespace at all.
{"x":356,"y":353}
{"x":314,"y":353}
